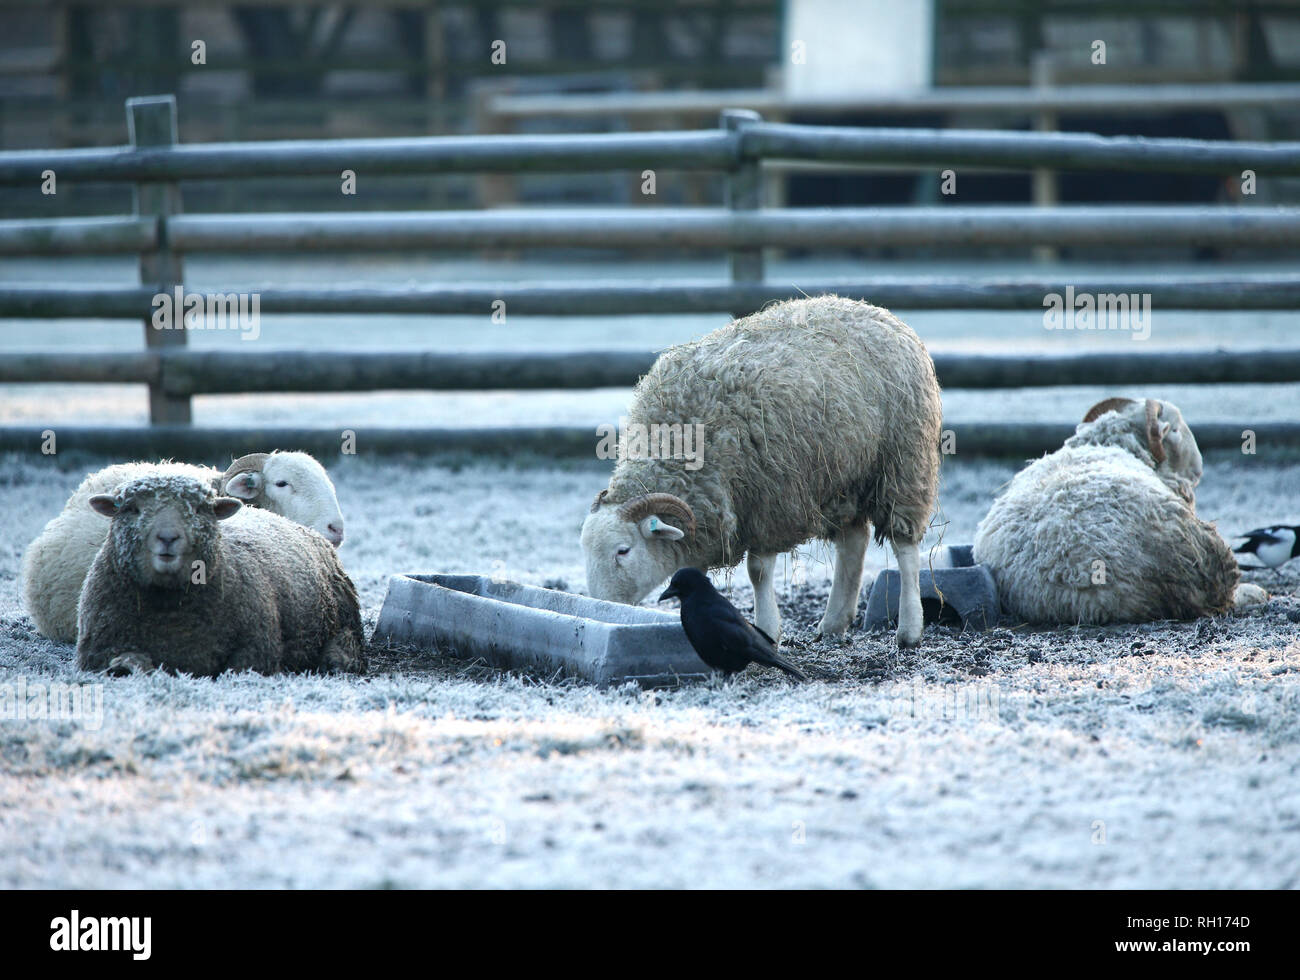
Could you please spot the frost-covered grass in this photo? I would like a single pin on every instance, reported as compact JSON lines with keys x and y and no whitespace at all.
{"x":1164,"y":755}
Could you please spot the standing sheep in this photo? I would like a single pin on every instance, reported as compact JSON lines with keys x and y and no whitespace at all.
{"x":820,"y":418}
{"x":173,"y":589}
{"x":55,"y":564}
{"x":1104,"y":530}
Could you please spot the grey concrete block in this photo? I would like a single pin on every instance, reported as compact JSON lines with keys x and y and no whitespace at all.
{"x":964,"y":592}
{"x":541,"y":630}
{"x":961,"y":555}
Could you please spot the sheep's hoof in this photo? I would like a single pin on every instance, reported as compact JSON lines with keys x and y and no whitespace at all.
{"x":127,"y":664}
{"x":908,"y":637}
{"x":1248,"y":594}
{"x":832,"y":631}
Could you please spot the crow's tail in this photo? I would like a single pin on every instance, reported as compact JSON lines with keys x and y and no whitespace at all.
{"x":789,"y":668}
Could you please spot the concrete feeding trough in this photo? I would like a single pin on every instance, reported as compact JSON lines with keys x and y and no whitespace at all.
{"x":540,"y":630}
{"x":961,"y":591}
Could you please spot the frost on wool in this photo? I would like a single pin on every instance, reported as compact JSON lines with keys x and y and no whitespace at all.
{"x":821,"y":417}
{"x":55,"y":564}
{"x":1104,"y":529}
{"x":262,"y":593}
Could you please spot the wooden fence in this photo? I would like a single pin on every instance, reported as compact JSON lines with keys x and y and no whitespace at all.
{"x":161,"y":235}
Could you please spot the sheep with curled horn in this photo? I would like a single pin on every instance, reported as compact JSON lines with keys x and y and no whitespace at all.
{"x":181,"y":586}
{"x":1104,"y":529}
{"x":54,"y":566}
{"x":820,"y":418}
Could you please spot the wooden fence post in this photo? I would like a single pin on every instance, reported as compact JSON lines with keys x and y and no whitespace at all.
{"x":744,"y":192}
{"x":151,"y":122}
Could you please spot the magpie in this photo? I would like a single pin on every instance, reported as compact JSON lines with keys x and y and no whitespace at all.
{"x":1274,"y":546}
{"x":723,"y":638}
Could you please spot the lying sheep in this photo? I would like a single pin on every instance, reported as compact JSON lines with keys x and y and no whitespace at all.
{"x":1105,"y":530}
{"x":172,"y":588}
{"x":54,"y":565}
{"x":820,"y":417}
{"x":292,"y":485}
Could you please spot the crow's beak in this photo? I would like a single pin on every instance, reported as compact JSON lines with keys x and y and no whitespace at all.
{"x":670,"y":593}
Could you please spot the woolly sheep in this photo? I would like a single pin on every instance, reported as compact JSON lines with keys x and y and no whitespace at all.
{"x":179,"y":586}
{"x":1104,"y":529}
{"x":54,"y":565}
{"x":820,"y":418}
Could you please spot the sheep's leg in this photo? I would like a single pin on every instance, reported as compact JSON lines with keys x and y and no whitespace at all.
{"x":842,"y":606}
{"x":762,"y":574}
{"x":1247,"y":594}
{"x":126,"y":664}
{"x":109,"y":659}
{"x":910,"y":618}
{"x":342,"y":654}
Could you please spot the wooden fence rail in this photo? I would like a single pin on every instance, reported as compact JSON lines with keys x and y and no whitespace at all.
{"x":1251,"y":291}
{"x":192,"y":372}
{"x":718,"y":150}
{"x":691,"y":150}
{"x":666,"y":228}
{"x":1008,"y":100}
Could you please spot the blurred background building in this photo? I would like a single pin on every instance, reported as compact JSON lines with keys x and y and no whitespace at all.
{"x":402,"y":67}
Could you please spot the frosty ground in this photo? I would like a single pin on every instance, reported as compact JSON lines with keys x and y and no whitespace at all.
{"x":1154,"y":756}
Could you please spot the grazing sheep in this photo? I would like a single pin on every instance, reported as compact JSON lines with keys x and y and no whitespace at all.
{"x":820,"y":418}
{"x":1104,"y":529}
{"x":172,"y":588}
{"x":54,"y":565}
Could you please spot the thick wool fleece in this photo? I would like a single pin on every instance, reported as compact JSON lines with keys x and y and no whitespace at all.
{"x":55,"y":564}
{"x":818,"y":414}
{"x":1096,"y":534}
{"x":1126,"y":430}
{"x":276,"y":597}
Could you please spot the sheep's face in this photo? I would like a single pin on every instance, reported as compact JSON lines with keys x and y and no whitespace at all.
{"x":162,"y":527}
{"x":1158,"y":427}
{"x":1182,"y":454}
{"x":627,"y":559}
{"x":294,"y":486}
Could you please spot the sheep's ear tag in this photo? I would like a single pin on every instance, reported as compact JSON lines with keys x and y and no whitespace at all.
{"x":653,"y":527}
{"x":245,"y":485}
{"x":102,"y":503}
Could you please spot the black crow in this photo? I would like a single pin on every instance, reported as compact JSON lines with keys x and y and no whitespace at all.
{"x":723,"y":638}
{"x":1274,"y":546}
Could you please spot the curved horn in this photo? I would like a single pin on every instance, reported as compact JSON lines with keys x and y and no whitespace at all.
{"x":245,"y":464}
{"x":600,"y":499}
{"x":658,"y":503}
{"x":1154,"y":441}
{"x":1109,"y":405}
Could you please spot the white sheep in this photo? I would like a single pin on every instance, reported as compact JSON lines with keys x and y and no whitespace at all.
{"x":820,"y":418}
{"x":180,"y":587}
{"x":54,"y":565}
{"x":1105,"y":530}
